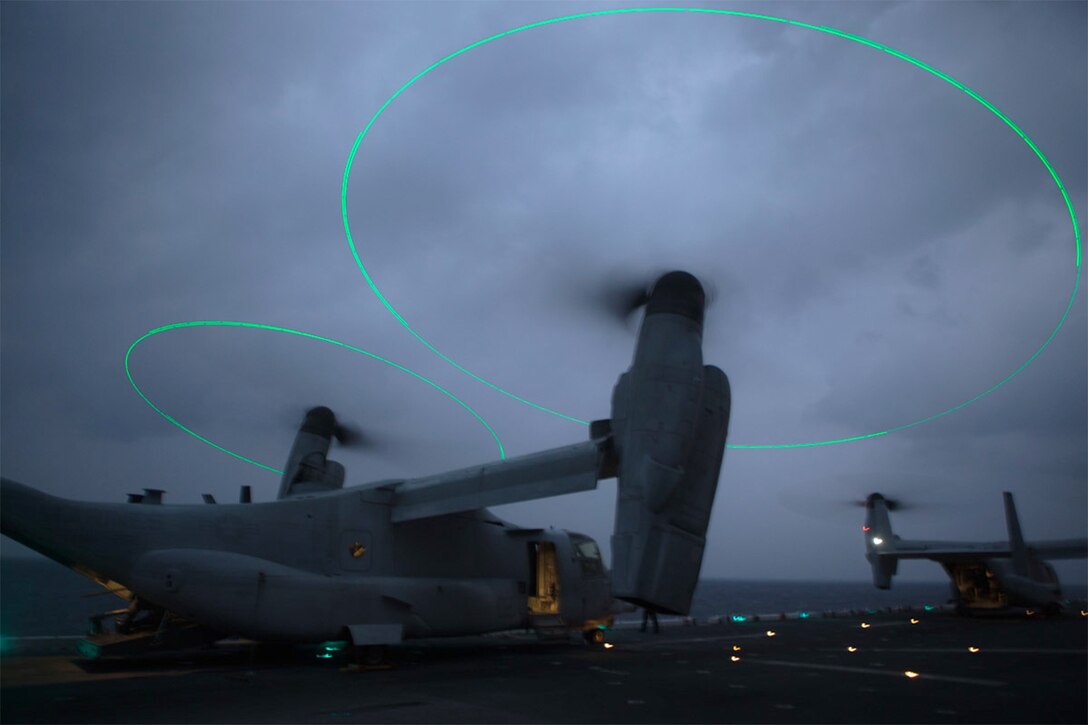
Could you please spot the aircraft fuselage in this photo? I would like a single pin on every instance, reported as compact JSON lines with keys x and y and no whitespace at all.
{"x":304,"y":568}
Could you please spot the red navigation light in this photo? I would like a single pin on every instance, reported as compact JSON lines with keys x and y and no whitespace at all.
{"x":865,"y":529}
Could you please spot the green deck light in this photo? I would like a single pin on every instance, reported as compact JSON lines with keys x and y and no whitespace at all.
{"x":328,"y":649}
{"x":88,"y":649}
{"x":754,"y":16}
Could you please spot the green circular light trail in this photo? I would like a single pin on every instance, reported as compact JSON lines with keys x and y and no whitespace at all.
{"x":708,"y":11}
{"x":287,"y":331}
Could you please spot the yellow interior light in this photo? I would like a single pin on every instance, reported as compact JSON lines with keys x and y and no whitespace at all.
{"x":910,"y":674}
{"x":851,"y":649}
{"x":865,"y":625}
{"x":972,"y":649}
{"x":913,"y":620}
{"x":736,"y":648}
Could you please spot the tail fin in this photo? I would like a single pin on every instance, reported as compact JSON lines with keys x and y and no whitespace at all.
{"x":1016,"y":537}
{"x":880,"y":541}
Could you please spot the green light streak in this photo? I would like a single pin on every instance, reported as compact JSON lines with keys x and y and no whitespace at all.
{"x":709,"y":11}
{"x":287,"y":331}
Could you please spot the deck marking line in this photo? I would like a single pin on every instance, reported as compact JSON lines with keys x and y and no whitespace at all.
{"x":671,"y":642}
{"x":607,"y":671}
{"x":1026,"y":650}
{"x":48,"y":637}
{"x":867,"y":671}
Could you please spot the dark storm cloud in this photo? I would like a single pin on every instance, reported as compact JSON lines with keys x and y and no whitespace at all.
{"x":882,"y":247}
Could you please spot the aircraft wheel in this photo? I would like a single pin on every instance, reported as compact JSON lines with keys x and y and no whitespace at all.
{"x":374,"y":655}
{"x":371,"y":655}
{"x":594,"y":636}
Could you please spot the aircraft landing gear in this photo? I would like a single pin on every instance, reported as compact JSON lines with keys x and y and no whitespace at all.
{"x":368,"y":657}
{"x":595,"y":636}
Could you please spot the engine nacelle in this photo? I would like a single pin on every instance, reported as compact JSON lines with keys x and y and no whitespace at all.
{"x":308,"y":468}
{"x":670,"y":417}
{"x":879,"y":541}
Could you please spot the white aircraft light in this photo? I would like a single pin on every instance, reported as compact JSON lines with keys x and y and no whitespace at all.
{"x":734,"y":658}
{"x":877,"y":541}
{"x":910,"y":674}
{"x":771,"y":633}
{"x":972,"y":649}
{"x":865,"y":625}
{"x":608,"y":645}
{"x":851,"y":649}
{"x":913,"y":620}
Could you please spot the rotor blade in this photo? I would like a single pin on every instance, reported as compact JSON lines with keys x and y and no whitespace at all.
{"x":620,"y":299}
{"x":903,"y":492}
{"x":350,"y":436}
{"x":620,"y":294}
{"x":710,"y":291}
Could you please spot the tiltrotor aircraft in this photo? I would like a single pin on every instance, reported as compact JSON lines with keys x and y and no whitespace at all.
{"x":986,"y":576}
{"x":381,"y":562}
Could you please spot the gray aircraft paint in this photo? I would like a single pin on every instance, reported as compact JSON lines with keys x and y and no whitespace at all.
{"x":1015,"y":572}
{"x":419,"y":558}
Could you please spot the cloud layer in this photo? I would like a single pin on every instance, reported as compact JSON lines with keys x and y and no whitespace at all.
{"x":883,"y":248}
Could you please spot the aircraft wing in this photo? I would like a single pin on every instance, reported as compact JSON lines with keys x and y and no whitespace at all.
{"x":1060,"y":549}
{"x":948,"y":550}
{"x":973,"y":551}
{"x":537,"y":475}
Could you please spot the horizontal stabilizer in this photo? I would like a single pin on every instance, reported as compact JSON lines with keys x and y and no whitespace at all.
{"x":1060,"y":549}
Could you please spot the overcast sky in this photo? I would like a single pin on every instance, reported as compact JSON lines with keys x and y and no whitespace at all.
{"x":883,"y":248}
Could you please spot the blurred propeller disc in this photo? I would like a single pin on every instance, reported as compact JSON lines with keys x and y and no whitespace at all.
{"x":348,"y":435}
{"x":903,"y":492}
{"x":622,"y":294}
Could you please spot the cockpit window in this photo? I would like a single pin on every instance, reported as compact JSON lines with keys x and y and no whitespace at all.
{"x":588,"y":549}
{"x":589,"y":556}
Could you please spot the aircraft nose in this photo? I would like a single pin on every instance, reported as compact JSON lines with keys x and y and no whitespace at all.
{"x":678,"y":293}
